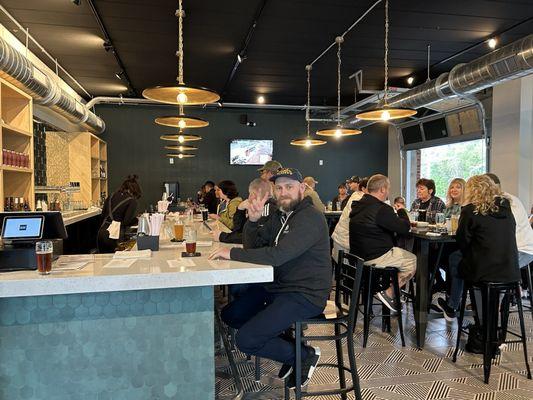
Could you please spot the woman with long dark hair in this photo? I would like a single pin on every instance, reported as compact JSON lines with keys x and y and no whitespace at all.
{"x":227,"y":192}
{"x":121,"y":206}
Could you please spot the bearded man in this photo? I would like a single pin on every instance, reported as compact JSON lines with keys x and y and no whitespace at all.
{"x":295,"y":241}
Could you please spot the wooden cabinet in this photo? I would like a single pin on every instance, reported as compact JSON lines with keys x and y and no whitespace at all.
{"x":16,"y":142}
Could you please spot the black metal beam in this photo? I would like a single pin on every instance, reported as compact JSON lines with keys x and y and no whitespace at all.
{"x":108,"y":46}
{"x":244,"y":46}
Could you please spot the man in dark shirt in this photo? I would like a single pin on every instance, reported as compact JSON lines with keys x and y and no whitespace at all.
{"x":373,"y":225}
{"x":210,"y":198}
{"x":295,"y":241}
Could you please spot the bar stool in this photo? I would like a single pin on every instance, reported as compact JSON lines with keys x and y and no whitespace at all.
{"x":490,"y":294}
{"x":529,"y":282}
{"x":371,"y":276}
{"x":348,"y":276}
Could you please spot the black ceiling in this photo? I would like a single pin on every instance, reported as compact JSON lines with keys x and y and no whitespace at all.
{"x":288,"y":35}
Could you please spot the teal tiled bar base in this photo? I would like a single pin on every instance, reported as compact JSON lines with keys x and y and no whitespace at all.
{"x":133,"y":345}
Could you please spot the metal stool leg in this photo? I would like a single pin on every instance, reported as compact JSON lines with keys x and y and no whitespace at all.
{"x":368,"y":307}
{"x":257,"y":369}
{"x":487,"y":332}
{"x":298,"y":369}
{"x":353,"y":368}
{"x":398,"y":302}
{"x":523,"y":330}
{"x":340,"y":361}
{"x":460,"y":323}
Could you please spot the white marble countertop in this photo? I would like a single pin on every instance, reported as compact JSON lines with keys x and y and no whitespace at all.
{"x":151,"y":273}
{"x":71,"y":217}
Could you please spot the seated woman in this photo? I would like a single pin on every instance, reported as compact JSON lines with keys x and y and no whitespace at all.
{"x":342,"y":198}
{"x":455,"y":197}
{"x":426,"y":201}
{"x":227,"y":192}
{"x":121,"y":206}
{"x":257,"y":189}
{"x":487,"y":242}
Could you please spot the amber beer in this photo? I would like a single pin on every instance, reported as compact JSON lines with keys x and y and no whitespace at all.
{"x":190,"y":247}
{"x":43,"y":253}
{"x":178,"y":232}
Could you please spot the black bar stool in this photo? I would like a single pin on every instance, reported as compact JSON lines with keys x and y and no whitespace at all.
{"x":348,"y":276}
{"x":529,"y":282}
{"x":371,"y":276}
{"x":490,"y":294}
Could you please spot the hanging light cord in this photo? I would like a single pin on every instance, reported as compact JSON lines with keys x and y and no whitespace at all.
{"x":386,"y":89}
{"x":180,"y":13}
{"x":308,"y":69}
{"x":339,"y":40}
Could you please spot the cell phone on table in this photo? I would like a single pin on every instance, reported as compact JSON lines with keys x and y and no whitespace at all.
{"x":207,"y":226}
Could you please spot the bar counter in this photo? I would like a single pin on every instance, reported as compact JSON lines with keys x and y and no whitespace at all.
{"x":107,"y":332}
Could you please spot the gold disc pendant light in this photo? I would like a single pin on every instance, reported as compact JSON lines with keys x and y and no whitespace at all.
{"x":338,"y":131}
{"x":180,"y":155}
{"x":386,"y":113}
{"x":181,"y":93}
{"x":308,"y":141}
{"x":181,"y":148}
{"x":182,"y":121}
{"x":181,"y":137}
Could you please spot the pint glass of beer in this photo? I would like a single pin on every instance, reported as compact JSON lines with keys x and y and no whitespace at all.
{"x":43,"y":253}
{"x":190,"y":240}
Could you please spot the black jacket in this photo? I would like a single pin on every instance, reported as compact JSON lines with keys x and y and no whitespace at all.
{"x":211,"y":201}
{"x":301,"y":257}
{"x":488,"y":245}
{"x":239,"y":219}
{"x":343,"y":203}
{"x":373,"y":225}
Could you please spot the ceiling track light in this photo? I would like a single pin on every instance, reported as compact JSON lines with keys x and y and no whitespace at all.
{"x":492,"y":43}
{"x":308,"y":141}
{"x":181,"y":93}
{"x":385,"y":112}
{"x":338,"y":131}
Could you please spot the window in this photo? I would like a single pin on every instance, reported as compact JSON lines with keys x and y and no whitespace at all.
{"x":443,"y":163}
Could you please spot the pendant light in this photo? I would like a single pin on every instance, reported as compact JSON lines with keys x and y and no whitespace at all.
{"x":181,"y":137}
{"x":181,"y":93}
{"x":308,"y":141}
{"x":180,"y":155}
{"x":181,"y":148}
{"x":386,"y":113}
{"x":338,"y":131}
{"x":181,"y":121}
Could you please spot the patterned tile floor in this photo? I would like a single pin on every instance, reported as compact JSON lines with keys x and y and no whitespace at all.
{"x":389,"y":372}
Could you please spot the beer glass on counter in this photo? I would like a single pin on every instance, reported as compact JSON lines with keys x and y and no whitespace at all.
{"x":190,"y":240}
{"x":43,"y":253}
{"x":205,"y":213}
{"x":178,"y":231}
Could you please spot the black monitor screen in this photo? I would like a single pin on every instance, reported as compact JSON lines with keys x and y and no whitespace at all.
{"x":411,"y":134}
{"x":435,"y":129}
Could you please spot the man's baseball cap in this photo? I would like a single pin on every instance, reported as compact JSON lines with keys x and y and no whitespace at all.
{"x":272,"y":166}
{"x":291,"y":173}
{"x":354,"y":178}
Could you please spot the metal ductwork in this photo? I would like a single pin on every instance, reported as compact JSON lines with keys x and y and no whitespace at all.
{"x":509,"y":62}
{"x":22,"y":73}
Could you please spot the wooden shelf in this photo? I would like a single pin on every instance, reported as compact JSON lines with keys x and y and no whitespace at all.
{"x":16,"y":134}
{"x":17,"y":169}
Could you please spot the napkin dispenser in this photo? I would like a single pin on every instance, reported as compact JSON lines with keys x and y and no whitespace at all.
{"x":145,"y":242}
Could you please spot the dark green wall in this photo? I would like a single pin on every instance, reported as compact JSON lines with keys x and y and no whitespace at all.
{"x":134,"y":147}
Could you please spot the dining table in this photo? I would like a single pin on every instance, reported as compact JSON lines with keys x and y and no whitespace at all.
{"x":425,"y":273}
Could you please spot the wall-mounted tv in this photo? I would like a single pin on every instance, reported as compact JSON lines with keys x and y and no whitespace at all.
{"x":250,"y":151}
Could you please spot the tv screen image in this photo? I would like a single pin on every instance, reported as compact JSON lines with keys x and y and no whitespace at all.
{"x":250,"y":151}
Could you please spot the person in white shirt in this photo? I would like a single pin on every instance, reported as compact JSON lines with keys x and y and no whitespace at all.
{"x":524,"y":232}
{"x":341,"y":234}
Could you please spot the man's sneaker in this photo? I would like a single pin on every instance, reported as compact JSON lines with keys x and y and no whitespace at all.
{"x":449,"y":313}
{"x":285,"y":371}
{"x":308,"y":367}
{"x":388,"y":301}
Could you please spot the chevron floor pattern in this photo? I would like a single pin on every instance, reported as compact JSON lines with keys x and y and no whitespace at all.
{"x":389,"y":372}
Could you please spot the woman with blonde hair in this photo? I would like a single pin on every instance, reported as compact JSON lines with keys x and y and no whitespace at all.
{"x":486,"y":240}
{"x":455,"y":197}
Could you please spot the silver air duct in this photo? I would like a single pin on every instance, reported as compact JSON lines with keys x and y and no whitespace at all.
{"x":509,"y":62}
{"x":22,"y":73}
